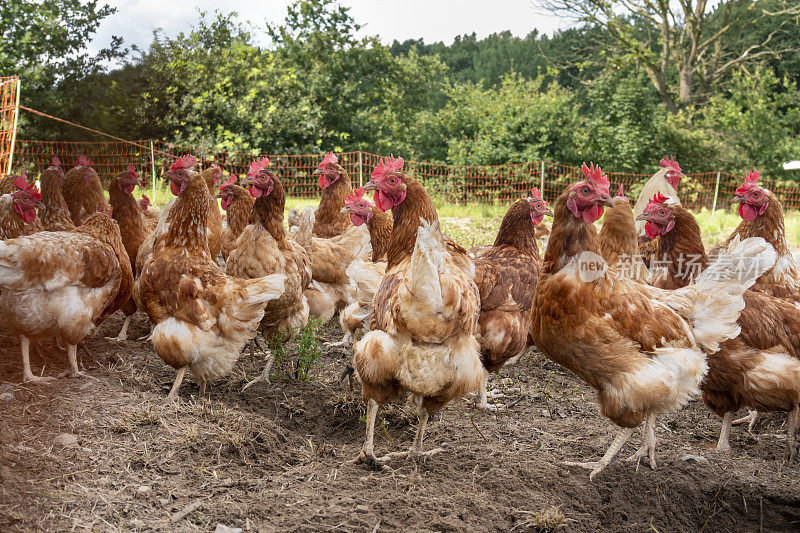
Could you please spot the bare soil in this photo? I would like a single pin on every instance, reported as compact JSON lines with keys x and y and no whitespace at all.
{"x":271,"y":458}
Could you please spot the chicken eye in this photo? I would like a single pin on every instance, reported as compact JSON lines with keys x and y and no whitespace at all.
{"x":392,"y":180}
{"x":754,"y":194}
{"x":585,"y":190}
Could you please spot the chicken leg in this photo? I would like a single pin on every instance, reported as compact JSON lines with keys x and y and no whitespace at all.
{"x":367,"y":455}
{"x":793,"y":418}
{"x":597,"y":466}
{"x":723,"y":444}
{"x":74,"y":372}
{"x":27,"y":375}
{"x":173,"y":393}
{"x":649,"y":445}
{"x":123,"y":333}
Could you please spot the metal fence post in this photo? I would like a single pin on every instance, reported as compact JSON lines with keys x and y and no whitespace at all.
{"x":360,"y":169}
{"x":716,"y":191}
{"x":153,"y":169}
{"x":541,"y":187}
{"x":14,"y":131}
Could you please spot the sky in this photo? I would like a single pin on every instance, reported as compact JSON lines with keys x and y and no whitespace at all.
{"x":432,"y":20}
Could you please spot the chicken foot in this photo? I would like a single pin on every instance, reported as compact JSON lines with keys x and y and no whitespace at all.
{"x":27,"y":375}
{"x":597,"y":466}
{"x":367,"y":455}
{"x":481,"y":399}
{"x":648,"y":447}
{"x":270,"y":357}
{"x":415,"y":451}
{"x":751,"y":418}
{"x":74,"y":372}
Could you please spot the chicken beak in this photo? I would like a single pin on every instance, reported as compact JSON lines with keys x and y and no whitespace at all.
{"x":607,"y":200}
{"x":643,"y":216}
{"x":370,"y":185}
{"x":549,"y":212}
{"x":39,"y":205}
{"x":317,"y":172}
{"x":346,"y":209}
{"x":245,"y":182}
{"x":737,"y":200}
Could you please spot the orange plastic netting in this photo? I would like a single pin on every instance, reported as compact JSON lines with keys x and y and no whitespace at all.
{"x":8,"y":100}
{"x":455,"y":183}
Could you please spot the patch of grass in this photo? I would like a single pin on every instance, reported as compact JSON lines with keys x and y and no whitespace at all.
{"x":308,"y":348}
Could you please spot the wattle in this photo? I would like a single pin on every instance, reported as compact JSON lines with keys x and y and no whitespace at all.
{"x":254,"y":191}
{"x":174,"y":188}
{"x":652,"y":230}
{"x":383,"y":202}
{"x":226,"y":203}
{"x":27,"y":215}
{"x":592,"y":213}
{"x":748,"y":212}
{"x":357,"y":219}
{"x":537,"y":219}
{"x":129,"y":189}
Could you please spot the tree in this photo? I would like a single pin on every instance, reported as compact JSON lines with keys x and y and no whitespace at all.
{"x":45,"y":44}
{"x":686,"y":48}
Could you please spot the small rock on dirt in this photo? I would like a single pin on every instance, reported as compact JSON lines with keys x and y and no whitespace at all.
{"x":6,"y":392}
{"x":699,"y":459}
{"x":225,"y":529}
{"x":67,"y":440}
{"x":362,"y":509}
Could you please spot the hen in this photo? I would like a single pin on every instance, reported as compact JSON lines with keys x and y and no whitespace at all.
{"x":426,"y":313}
{"x":150,"y":215}
{"x":128,"y":214}
{"x":263,"y":248}
{"x":762,"y":216}
{"x":618,"y":242}
{"x":83,"y":192}
{"x":334,"y":181}
{"x":330,"y":290}
{"x":18,"y":210}
{"x":238,"y":204}
{"x":8,"y":183}
{"x":59,"y":284}
{"x":759,"y":369}
{"x":506,"y":274}
{"x":365,"y":276}
{"x":54,"y":214}
{"x":643,"y":349}
{"x":202,"y":317}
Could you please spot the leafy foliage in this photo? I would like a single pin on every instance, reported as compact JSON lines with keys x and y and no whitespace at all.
{"x":318,"y":86}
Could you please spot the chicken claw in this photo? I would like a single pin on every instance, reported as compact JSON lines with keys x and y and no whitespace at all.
{"x":265,"y":373}
{"x":595,"y":466}
{"x":38,"y":380}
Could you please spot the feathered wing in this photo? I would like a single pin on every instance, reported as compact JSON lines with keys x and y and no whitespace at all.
{"x":656,"y":184}
{"x":505,"y":279}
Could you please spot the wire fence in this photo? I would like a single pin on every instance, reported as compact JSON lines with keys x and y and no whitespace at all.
{"x":454,"y":183}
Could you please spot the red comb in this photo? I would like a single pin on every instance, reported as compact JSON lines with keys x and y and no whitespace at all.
{"x":230,"y":181}
{"x":83,"y":162}
{"x":257,"y":166}
{"x":750,"y":181}
{"x":354,"y":196}
{"x":536,"y":194}
{"x":184,"y":162}
{"x":670,"y":163}
{"x":146,"y":198}
{"x":595,"y":175}
{"x":22,"y":184}
{"x":329,"y":158}
{"x":56,"y":162}
{"x":216,"y":176}
{"x":659,"y":199}
{"x":131,"y":169}
{"x":384,"y":166}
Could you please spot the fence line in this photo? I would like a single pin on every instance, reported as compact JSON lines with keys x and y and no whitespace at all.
{"x":9,"y":100}
{"x":456,"y":183}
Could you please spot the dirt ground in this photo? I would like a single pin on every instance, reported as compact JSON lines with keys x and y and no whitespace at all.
{"x":271,"y":458}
